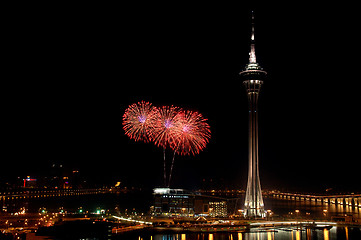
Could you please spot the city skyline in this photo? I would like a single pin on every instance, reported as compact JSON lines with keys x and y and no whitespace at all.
{"x":309,"y":109}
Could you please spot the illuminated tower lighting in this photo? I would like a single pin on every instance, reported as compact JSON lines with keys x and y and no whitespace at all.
{"x":253,"y":76}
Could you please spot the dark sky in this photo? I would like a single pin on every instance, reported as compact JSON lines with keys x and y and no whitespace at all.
{"x":72,"y":71}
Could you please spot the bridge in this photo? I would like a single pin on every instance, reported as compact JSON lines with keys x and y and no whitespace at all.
{"x":351,"y":200}
{"x":41,"y":193}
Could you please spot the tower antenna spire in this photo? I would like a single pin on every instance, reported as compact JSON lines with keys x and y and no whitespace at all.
{"x":252,"y":36}
{"x":252,"y":53}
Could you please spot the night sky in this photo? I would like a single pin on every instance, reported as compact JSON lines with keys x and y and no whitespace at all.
{"x":72,"y":72}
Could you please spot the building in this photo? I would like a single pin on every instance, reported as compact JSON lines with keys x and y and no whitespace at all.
{"x":29,"y":182}
{"x":252,"y":77}
{"x":218,"y":209}
{"x":181,"y":203}
{"x":173,"y":202}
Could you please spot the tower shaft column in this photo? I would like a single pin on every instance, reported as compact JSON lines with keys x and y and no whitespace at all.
{"x":254,"y":206}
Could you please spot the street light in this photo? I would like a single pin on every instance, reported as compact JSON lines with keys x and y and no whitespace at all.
{"x":269,"y":214}
{"x":325,"y":213}
{"x":297,"y":212}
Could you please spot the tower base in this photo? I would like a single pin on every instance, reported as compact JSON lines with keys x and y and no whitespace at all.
{"x":254,"y":213}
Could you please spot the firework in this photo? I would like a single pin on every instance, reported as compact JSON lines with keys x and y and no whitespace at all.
{"x":165,"y":127}
{"x":185,"y":132}
{"x":193,"y":133}
{"x":139,"y":120}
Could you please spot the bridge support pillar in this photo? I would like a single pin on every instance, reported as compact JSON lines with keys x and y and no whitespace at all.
{"x":350,"y":202}
{"x":354,"y":202}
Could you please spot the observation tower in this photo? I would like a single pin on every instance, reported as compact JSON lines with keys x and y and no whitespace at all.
{"x":252,"y":77}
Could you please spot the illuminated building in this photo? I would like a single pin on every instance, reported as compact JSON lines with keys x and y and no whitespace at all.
{"x":253,"y":76}
{"x":181,"y":203}
{"x":218,"y":209}
{"x":173,"y":202}
{"x":29,"y":182}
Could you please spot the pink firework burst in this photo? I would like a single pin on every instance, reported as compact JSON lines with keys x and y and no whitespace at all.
{"x":192,"y":133}
{"x":139,"y":120}
{"x":165,"y":126}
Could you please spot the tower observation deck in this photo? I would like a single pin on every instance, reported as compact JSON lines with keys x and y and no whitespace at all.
{"x":252,"y":77}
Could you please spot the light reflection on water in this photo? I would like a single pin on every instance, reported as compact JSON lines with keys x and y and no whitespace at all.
{"x":276,"y":234}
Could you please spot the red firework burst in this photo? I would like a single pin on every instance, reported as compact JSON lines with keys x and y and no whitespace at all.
{"x":192,"y":133}
{"x":139,"y":120}
{"x":165,"y":127}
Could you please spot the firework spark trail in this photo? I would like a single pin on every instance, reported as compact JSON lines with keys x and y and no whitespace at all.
{"x":191,"y":136}
{"x":164,"y":168}
{"x":164,"y":131}
{"x":138,"y":121}
{"x":171,"y":168}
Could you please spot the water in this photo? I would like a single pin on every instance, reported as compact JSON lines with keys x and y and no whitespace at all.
{"x":277,"y":234}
